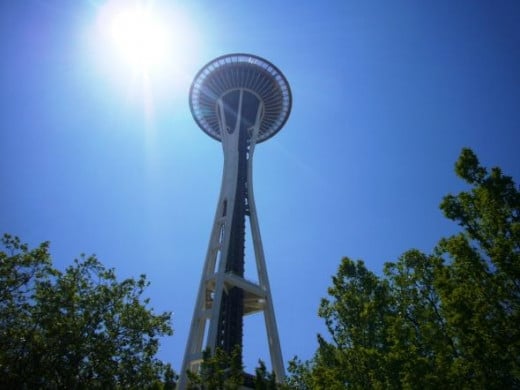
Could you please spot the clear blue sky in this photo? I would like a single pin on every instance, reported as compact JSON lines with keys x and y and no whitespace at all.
{"x":385,"y":96}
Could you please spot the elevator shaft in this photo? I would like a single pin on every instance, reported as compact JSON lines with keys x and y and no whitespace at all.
{"x":241,"y":112}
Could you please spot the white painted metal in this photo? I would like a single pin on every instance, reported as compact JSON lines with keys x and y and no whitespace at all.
{"x":214,"y":280}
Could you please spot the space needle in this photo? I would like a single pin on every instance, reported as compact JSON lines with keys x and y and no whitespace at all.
{"x":239,"y":100}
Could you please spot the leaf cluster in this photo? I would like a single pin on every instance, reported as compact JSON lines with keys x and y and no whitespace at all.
{"x":224,"y":371}
{"x":218,"y":370}
{"x":80,"y":328}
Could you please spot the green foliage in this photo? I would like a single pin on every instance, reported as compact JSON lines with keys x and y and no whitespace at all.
{"x":80,"y":328}
{"x":219,"y":370}
{"x":301,"y":375}
{"x":445,"y":320}
{"x":264,"y":380}
{"x":223,"y":371}
{"x":480,"y":289}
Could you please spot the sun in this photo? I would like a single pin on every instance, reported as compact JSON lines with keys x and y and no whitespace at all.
{"x":140,"y":37}
{"x":147,"y":37}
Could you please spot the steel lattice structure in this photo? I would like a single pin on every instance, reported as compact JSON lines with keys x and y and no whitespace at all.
{"x":240,"y":100}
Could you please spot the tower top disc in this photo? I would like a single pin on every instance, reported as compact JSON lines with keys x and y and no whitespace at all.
{"x":235,"y":71}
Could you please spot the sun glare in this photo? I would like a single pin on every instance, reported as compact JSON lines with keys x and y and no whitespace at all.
{"x":154,"y":38}
{"x":140,"y":37}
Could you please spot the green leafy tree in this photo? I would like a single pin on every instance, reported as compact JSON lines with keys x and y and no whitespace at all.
{"x":218,"y":371}
{"x":224,"y":371}
{"x":480,"y":288}
{"x":265,"y":380}
{"x":353,"y":316}
{"x":445,"y":320}
{"x":80,"y":328}
{"x":301,"y":374}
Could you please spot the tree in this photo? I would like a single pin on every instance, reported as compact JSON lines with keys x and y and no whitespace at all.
{"x":224,"y":371}
{"x":445,"y":320}
{"x":480,"y":289}
{"x":219,"y":370}
{"x":265,"y":380}
{"x":80,"y":328}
